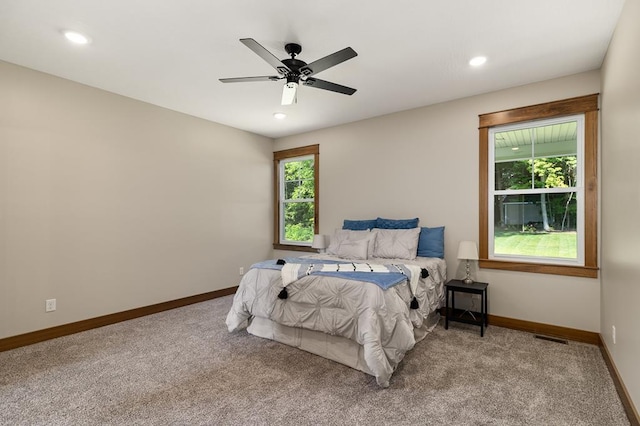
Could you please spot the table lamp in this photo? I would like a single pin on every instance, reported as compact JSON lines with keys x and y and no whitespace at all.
{"x":467,"y":250}
{"x":319,"y":242}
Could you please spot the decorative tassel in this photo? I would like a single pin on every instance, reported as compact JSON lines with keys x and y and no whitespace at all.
{"x":283,"y":293}
{"x":424,"y":273}
{"x":281,"y":262}
{"x":414,"y":303}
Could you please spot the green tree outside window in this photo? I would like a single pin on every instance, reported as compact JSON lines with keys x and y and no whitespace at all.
{"x":298,"y":203}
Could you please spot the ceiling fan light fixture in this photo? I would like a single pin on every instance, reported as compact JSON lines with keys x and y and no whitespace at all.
{"x":289,"y":93}
{"x":294,"y":70}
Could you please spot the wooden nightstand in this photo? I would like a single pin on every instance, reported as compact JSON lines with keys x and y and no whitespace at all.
{"x":453,"y":314}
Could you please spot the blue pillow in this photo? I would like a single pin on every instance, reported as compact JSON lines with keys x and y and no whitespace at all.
{"x":431,"y":242}
{"x":359,"y":225}
{"x":396,"y":223}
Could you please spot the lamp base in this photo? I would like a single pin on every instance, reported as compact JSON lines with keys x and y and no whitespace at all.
{"x":467,"y":276}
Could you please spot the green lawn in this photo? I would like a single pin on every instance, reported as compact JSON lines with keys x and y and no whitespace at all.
{"x":552,"y":244}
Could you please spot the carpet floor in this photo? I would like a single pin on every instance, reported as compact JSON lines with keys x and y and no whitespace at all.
{"x":182,"y":367}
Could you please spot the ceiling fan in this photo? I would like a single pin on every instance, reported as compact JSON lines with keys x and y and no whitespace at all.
{"x":296,"y":71}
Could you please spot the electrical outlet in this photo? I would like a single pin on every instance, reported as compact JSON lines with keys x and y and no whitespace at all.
{"x":613,"y":334}
{"x":50,"y":305}
{"x":241,"y":270}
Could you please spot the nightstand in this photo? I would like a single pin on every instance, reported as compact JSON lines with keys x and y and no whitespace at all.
{"x":453,"y":314}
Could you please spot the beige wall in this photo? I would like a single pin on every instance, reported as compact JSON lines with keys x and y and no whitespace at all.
{"x":109,"y":204}
{"x":424,"y":163}
{"x":621,"y":198}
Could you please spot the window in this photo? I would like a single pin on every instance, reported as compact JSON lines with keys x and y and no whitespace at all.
{"x":296,"y":197}
{"x":538,"y":188}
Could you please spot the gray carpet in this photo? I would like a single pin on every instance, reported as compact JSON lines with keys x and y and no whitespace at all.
{"x":183,"y":367}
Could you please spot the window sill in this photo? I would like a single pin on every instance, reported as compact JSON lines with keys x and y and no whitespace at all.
{"x":541,"y":268}
{"x":291,"y":247}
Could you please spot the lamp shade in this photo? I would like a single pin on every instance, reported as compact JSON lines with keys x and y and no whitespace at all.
{"x":319,"y":242}
{"x":468,"y":250}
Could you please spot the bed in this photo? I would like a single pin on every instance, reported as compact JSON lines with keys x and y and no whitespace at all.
{"x":351,"y":305}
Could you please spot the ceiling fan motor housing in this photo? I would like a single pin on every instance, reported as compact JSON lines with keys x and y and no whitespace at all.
{"x":294,"y":64}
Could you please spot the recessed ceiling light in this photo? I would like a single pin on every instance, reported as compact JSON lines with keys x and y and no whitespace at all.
{"x":279,"y":115}
{"x":477,"y":61}
{"x":515,"y":148}
{"x":76,"y":37}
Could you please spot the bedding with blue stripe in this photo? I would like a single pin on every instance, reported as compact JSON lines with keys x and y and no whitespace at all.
{"x":384,"y":276}
{"x":368,"y":302}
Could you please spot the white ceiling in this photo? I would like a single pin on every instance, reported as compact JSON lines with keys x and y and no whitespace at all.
{"x":411,"y":53}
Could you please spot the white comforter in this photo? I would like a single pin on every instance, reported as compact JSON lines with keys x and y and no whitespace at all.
{"x":381,"y":321}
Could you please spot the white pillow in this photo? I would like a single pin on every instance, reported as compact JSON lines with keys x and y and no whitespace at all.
{"x":396,"y":243}
{"x":355,"y":250}
{"x":371,"y":242}
{"x":342,"y":235}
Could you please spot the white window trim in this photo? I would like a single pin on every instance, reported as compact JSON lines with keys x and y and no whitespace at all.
{"x":578,"y":188}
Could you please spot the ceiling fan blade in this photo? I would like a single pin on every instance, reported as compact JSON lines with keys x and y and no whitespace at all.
{"x":328,"y":61}
{"x":243,"y":79}
{"x":327,"y":85}
{"x":266,"y":55}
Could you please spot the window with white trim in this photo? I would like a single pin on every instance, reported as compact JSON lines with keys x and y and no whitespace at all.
{"x":537,"y":188}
